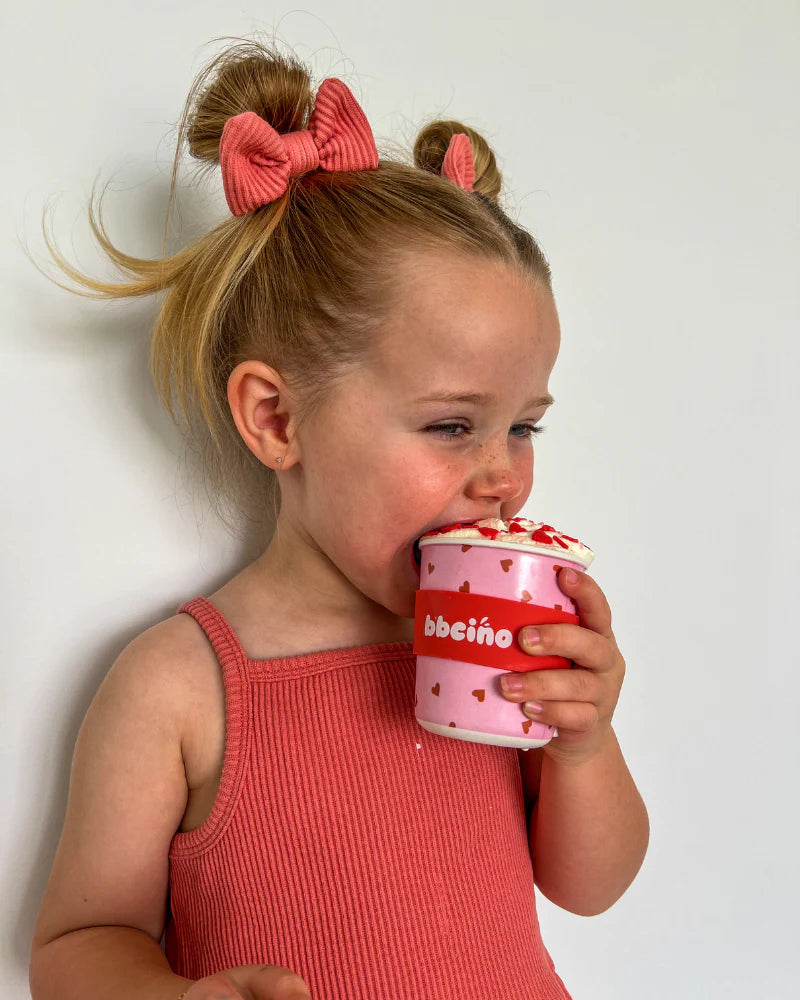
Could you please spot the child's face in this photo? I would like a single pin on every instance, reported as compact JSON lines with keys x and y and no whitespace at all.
{"x":377,"y":477}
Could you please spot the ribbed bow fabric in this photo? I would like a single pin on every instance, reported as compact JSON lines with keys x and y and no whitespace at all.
{"x":458,"y":165}
{"x":257,"y":161}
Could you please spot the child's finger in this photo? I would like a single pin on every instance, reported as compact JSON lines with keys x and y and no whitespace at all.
{"x":593,"y":608}
{"x":585,"y":648}
{"x":575,"y":716}
{"x":557,"y":685}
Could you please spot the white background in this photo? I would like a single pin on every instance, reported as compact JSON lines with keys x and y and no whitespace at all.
{"x":653,"y":150}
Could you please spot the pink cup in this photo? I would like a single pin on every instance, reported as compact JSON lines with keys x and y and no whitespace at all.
{"x":475,"y":595}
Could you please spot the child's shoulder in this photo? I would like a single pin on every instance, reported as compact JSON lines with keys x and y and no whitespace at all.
{"x":172,"y":671}
{"x":173,"y":654}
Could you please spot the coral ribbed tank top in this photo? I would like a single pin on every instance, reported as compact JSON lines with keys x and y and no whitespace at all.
{"x":377,"y":860}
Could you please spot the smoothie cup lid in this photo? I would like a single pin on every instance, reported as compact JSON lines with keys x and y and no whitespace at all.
{"x":516,"y":533}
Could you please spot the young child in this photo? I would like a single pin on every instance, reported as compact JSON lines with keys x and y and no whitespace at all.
{"x":250,"y":784}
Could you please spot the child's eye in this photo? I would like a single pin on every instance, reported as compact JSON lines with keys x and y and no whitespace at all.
{"x":529,"y":430}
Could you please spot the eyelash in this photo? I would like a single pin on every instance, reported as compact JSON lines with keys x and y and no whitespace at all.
{"x":532,"y":431}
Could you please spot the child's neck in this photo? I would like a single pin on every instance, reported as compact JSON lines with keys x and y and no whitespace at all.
{"x":275,"y":612}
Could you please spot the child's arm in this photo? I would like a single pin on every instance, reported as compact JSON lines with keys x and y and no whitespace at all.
{"x":588,"y":824}
{"x":588,"y":830}
{"x":99,"y":927}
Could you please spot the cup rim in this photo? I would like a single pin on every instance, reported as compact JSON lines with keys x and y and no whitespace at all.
{"x":530,"y":548}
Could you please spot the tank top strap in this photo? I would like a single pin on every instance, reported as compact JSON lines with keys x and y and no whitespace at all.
{"x":238,"y":725}
{"x":224,"y":640}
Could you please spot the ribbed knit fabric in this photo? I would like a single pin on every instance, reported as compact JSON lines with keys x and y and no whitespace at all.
{"x":257,"y":161}
{"x":377,"y":860}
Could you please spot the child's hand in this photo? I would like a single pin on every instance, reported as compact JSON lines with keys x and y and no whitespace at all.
{"x":580,"y":701}
{"x":250,"y":982}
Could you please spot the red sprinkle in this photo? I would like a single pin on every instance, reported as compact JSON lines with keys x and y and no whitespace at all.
{"x":546,"y":534}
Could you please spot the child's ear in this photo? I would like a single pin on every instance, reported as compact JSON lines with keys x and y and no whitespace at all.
{"x":262,"y":411}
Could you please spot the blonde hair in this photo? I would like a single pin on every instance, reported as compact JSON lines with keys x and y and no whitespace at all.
{"x":303,"y":283}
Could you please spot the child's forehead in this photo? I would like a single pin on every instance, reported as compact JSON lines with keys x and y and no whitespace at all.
{"x":446,"y":280}
{"x":447,"y":302}
{"x":439,"y":378}
{"x":476,"y":331}
{"x":466,"y":326}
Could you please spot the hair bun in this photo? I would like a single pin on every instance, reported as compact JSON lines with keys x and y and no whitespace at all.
{"x":249,"y":76}
{"x":431,"y":145}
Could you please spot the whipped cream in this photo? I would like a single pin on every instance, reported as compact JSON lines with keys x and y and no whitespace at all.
{"x":516,"y":531}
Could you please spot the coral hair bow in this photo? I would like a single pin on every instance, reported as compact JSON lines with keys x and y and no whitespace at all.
{"x":257,"y":161}
{"x":458,"y":165}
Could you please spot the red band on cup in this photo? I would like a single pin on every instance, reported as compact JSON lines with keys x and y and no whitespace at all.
{"x":476,"y":628}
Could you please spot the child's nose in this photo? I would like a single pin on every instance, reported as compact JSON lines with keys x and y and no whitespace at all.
{"x":498,"y":479}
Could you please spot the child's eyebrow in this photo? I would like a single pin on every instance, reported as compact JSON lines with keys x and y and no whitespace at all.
{"x":479,"y":398}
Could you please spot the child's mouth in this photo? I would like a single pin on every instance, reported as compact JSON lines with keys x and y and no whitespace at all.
{"x":417,"y":552}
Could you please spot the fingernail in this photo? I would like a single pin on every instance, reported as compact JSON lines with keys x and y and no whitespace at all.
{"x":531,"y":635}
{"x":572,"y":576}
{"x":511,"y":682}
{"x":533,"y":707}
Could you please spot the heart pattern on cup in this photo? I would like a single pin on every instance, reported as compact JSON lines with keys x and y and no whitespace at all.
{"x":506,"y":564}
{"x":526,"y":597}
{"x":464,"y":588}
{"x":480,"y":694}
{"x":465,"y":548}
{"x":431,"y":568}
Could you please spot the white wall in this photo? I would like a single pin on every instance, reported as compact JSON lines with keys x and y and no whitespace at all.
{"x":653,"y":149}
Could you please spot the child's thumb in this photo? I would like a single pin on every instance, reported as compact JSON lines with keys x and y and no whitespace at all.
{"x":274,"y":982}
{"x":269,"y":982}
{"x":250,"y":982}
